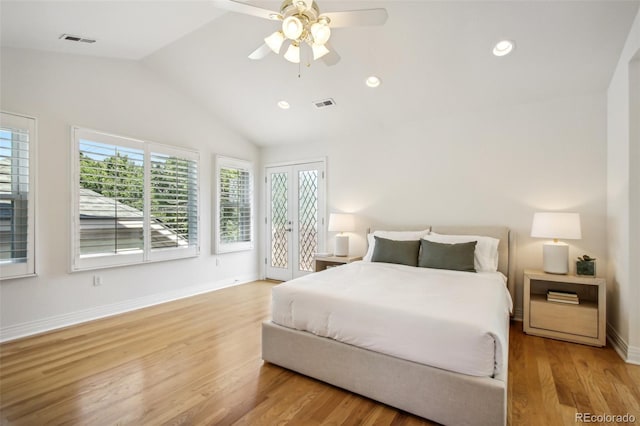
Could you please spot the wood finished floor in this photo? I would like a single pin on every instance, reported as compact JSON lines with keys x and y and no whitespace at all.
{"x":197,"y":361}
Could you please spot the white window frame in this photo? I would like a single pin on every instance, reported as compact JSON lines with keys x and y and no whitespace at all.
{"x":9,"y":269}
{"x":147,"y":254}
{"x":227,"y":162}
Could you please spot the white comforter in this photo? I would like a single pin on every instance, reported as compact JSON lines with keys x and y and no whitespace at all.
{"x":452,"y":320}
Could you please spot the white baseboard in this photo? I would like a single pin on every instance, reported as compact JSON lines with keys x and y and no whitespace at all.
{"x":518,"y":314}
{"x":633,"y":355}
{"x":617,"y":342}
{"x":17,"y":331}
{"x":630,"y":354}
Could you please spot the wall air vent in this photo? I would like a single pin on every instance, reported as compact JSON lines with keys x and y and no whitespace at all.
{"x":324,"y":103}
{"x":76,"y":38}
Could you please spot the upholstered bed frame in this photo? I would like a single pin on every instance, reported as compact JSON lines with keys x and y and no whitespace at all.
{"x":439,"y":395}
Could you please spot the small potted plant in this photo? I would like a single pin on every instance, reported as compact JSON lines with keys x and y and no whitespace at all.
{"x":586,"y":265}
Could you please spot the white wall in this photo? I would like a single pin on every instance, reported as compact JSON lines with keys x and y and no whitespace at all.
{"x":124,"y":98}
{"x":623,"y":199}
{"x":492,"y":167}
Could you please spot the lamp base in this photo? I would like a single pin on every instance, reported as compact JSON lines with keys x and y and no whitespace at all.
{"x":342,"y":245}
{"x":555,"y":258}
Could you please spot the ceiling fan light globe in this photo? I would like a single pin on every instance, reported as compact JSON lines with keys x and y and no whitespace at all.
{"x":320,"y":33}
{"x":319,"y":50}
{"x":274,"y":41}
{"x":293,"y":54}
{"x":292,"y":27}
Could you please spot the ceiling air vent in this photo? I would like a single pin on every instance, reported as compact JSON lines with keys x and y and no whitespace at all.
{"x":76,"y":38}
{"x":324,"y":103}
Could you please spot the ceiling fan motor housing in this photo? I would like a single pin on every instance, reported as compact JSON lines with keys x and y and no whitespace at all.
{"x":300,"y":7}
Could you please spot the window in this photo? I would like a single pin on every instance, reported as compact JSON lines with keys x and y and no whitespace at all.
{"x":234,"y":205}
{"x":17,"y":195}
{"x":133,"y":201}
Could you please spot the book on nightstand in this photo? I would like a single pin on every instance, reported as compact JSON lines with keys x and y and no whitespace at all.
{"x":562,"y":297}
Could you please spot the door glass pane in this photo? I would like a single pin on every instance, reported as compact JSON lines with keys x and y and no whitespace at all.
{"x":307,"y":218}
{"x":279,"y":213}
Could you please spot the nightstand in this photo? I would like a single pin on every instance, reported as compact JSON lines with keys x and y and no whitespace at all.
{"x":582,"y":323}
{"x":324,"y":262}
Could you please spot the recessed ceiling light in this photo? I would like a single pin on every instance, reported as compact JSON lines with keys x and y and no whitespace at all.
{"x":372,"y":81}
{"x":503,"y":47}
{"x":284,"y":104}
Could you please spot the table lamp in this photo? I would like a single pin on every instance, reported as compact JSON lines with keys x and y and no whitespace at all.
{"x":556,"y":225}
{"x":340,"y":222}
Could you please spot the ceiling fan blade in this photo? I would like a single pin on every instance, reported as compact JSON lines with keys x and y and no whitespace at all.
{"x":354,"y":18}
{"x":247,"y":9}
{"x":331,"y":58}
{"x":260,"y":52}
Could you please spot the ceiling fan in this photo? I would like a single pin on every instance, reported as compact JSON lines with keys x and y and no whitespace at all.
{"x":302,"y":23}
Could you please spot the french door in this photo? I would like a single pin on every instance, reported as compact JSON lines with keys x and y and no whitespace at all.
{"x":295,"y":219}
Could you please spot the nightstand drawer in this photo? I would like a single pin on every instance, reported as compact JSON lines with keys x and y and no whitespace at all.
{"x":581,"y":320}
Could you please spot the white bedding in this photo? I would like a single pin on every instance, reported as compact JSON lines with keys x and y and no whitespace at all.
{"x":452,"y":320}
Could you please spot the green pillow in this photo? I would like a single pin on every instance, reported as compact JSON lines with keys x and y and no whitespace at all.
{"x":456,"y":257}
{"x":393,"y":251}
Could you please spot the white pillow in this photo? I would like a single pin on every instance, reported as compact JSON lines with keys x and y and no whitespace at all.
{"x":485,"y":255}
{"x":391,"y":235}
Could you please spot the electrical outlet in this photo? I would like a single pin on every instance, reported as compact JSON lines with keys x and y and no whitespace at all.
{"x":217,"y":261}
{"x":97,"y":280}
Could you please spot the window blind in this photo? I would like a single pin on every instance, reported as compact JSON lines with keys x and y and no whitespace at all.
{"x":14,"y":192}
{"x":17,"y":227}
{"x":111,"y":199}
{"x":234,"y":205}
{"x":174,"y":202}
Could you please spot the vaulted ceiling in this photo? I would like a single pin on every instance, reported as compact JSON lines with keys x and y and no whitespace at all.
{"x":433,"y":57}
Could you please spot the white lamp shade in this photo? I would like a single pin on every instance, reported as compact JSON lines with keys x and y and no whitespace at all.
{"x":556,"y":225}
{"x":319,"y":50}
{"x":341,"y":222}
{"x":320,"y":33}
{"x":293,"y":54}
{"x":274,"y":41}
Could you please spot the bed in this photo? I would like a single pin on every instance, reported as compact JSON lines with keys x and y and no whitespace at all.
{"x":318,"y":341}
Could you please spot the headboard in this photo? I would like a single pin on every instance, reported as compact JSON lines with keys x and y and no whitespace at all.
{"x":506,"y":248}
